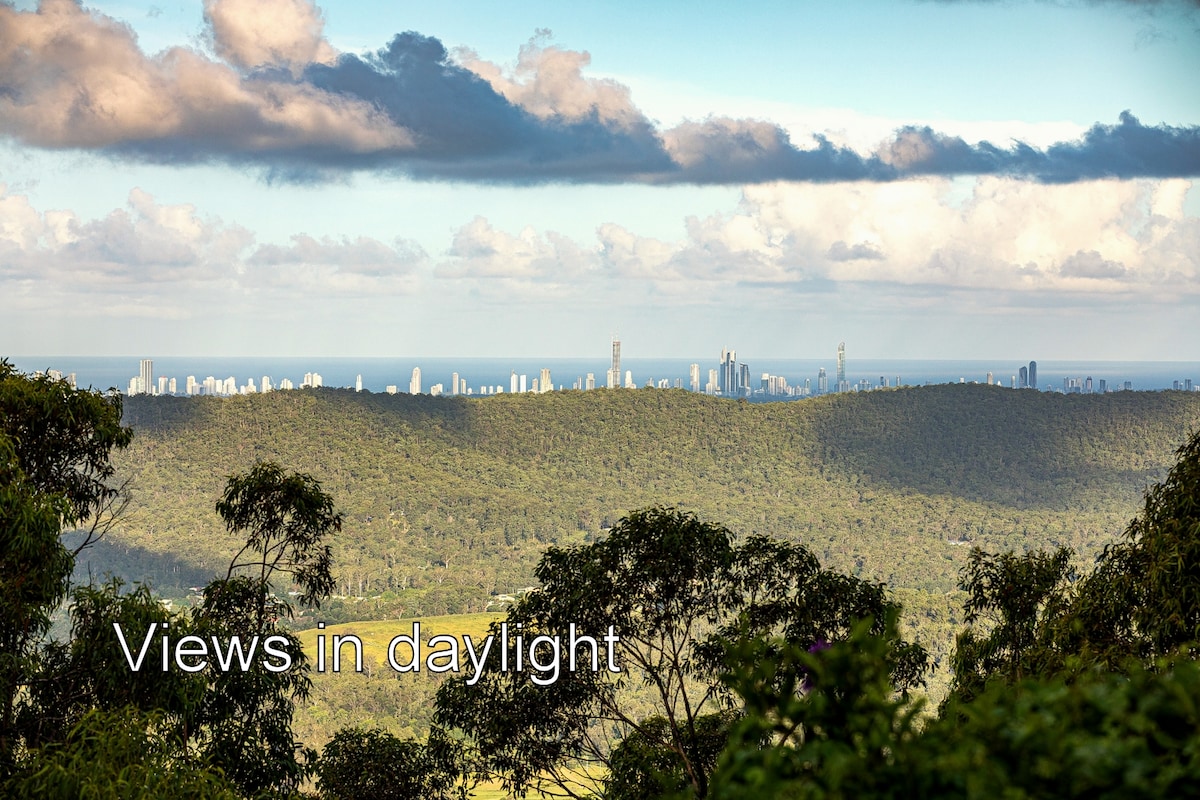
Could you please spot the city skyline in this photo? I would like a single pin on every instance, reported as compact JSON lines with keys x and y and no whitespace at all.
{"x":730,"y":379}
{"x":237,"y":177}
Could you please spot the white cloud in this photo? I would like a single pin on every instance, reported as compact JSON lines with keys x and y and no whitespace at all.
{"x":548,"y":81}
{"x":274,"y":33}
{"x":173,"y":256}
{"x":478,"y":250}
{"x":143,"y":244}
{"x":76,"y":78}
{"x":1006,"y":236}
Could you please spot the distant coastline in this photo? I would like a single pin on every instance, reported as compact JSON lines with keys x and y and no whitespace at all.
{"x":104,"y":372}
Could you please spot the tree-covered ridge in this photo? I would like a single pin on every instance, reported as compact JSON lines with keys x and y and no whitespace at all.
{"x":468,"y":492}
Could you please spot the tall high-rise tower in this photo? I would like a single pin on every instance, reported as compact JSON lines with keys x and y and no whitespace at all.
{"x":1032,"y":374}
{"x":841,"y":367}
{"x":414,"y":384}
{"x":614,"y":372}
{"x":146,"y":376}
{"x":729,"y":373}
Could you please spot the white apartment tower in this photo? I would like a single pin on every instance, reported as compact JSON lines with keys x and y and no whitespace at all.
{"x":614,"y":372}
{"x":414,"y":384}
{"x":146,"y":376}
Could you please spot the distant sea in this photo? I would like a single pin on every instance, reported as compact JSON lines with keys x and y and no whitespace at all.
{"x":378,"y":373}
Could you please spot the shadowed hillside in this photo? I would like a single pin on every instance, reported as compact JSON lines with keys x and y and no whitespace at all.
{"x":462,"y":491}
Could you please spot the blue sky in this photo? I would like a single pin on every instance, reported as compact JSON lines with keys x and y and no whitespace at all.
{"x":918,"y":179}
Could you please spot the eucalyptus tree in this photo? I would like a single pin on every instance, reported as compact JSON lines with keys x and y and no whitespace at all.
{"x":667,"y":600}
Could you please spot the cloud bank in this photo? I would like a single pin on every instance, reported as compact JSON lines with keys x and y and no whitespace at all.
{"x":172,"y":257}
{"x":1015,"y":241}
{"x":273,"y":94}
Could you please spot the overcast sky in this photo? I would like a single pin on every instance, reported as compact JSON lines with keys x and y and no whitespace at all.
{"x":917,"y":179}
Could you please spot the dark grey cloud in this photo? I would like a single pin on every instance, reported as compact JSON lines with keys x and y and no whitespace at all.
{"x":74,"y":79}
{"x":1128,"y":149}
{"x":464,"y":129}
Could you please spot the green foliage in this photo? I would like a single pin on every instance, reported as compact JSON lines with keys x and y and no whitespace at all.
{"x":830,"y":715}
{"x":246,"y":717}
{"x":284,"y":520}
{"x":680,"y":596}
{"x":63,"y":438}
{"x":646,"y":766}
{"x":842,"y":734}
{"x":1099,"y":734}
{"x":34,"y":570}
{"x":375,"y":764}
{"x":118,"y":755}
{"x":1143,"y":598}
{"x":90,"y":671}
{"x":1016,"y":597}
{"x":1141,"y":601}
{"x":245,"y":721}
{"x":55,"y":444}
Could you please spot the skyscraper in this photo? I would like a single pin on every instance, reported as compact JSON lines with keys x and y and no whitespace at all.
{"x":694,"y":377}
{"x":729,"y":373}
{"x":1023,"y":380}
{"x":146,"y":376}
{"x":614,"y":372}
{"x":822,"y":381}
{"x":414,"y":384}
{"x":545,"y":383}
{"x":841,"y":367}
{"x":358,"y":383}
{"x":1032,"y":374}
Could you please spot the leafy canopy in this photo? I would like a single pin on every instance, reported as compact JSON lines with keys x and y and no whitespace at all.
{"x":680,"y":595}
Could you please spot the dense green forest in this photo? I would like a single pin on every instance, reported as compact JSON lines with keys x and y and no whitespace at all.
{"x":458,"y":497}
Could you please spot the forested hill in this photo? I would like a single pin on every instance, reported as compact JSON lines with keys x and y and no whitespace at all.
{"x":457,"y":497}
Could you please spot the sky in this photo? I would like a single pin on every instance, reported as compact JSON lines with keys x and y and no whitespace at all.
{"x":938,"y":179}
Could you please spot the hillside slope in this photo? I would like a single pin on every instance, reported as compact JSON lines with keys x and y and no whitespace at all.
{"x":467,"y":492}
